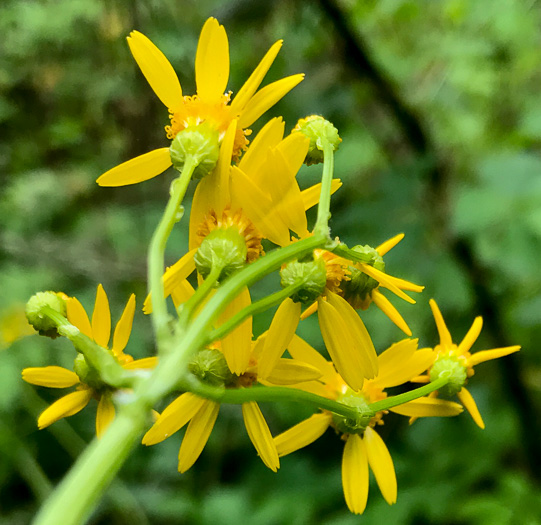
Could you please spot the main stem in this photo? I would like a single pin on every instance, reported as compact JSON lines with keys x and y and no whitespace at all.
{"x":324,"y":207}
{"x":156,"y":252}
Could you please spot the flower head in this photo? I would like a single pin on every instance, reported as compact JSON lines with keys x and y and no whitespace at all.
{"x":85,"y":378}
{"x":211,"y":105}
{"x":457,"y":361}
{"x":364,"y":447}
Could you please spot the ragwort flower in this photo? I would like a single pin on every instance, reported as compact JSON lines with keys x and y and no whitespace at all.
{"x":364,"y":447}
{"x":211,"y":104}
{"x":87,"y":382}
{"x":457,"y":359}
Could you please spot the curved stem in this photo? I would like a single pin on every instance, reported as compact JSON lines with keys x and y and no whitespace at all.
{"x":156,"y":252}
{"x":253,"y":309}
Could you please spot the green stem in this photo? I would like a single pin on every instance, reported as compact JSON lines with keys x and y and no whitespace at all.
{"x":323,"y":210}
{"x":99,"y":358}
{"x":253,"y":309}
{"x":268,"y":394}
{"x":406,"y":397}
{"x":160,"y":317}
{"x":343,"y":251}
{"x":187,"y":309}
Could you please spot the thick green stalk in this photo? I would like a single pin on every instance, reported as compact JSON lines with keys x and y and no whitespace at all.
{"x":172,"y":214}
{"x":323,"y":209}
{"x":253,"y":309}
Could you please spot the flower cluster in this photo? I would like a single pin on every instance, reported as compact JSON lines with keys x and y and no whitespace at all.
{"x":248,"y":219}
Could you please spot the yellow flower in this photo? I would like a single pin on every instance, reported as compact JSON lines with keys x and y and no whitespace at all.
{"x":460,"y":362}
{"x":364,"y":447}
{"x":248,"y":362}
{"x":211,"y":104}
{"x":58,"y":377}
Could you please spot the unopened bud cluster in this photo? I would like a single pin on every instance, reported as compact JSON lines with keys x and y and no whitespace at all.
{"x":38,"y":318}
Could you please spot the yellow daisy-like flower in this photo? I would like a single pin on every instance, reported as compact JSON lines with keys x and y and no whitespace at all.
{"x":460,"y":362}
{"x":99,"y":330}
{"x":211,"y":105}
{"x":364,"y":447}
{"x":201,"y":413}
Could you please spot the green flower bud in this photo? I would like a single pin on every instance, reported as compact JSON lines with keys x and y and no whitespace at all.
{"x":210,"y":366}
{"x":199,"y":142}
{"x":224,"y":248}
{"x":34,"y":312}
{"x":312,"y":273}
{"x":360,"y":285}
{"x":316,"y":128}
{"x":457,"y":375}
{"x":87,"y":374}
{"x":353,"y":426}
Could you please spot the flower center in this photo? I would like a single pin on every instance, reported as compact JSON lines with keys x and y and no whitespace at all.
{"x":336,"y":267}
{"x":239,"y":222}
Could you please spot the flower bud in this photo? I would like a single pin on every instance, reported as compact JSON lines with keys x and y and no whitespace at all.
{"x":356,"y":291}
{"x":348,"y":425}
{"x":87,"y":374}
{"x":317,"y":129}
{"x":312,"y":273}
{"x":210,"y":366}
{"x":40,"y":321}
{"x":224,"y":248}
{"x":201,"y":143}
{"x":456,"y":371}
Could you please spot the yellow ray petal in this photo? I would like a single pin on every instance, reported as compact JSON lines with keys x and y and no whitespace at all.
{"x":212,"y":62}
{"x":223,"y":167}
{"x":266,"y":98}
{"x":302,"y":351}
{"x":282,"y":328}
{"x":269,"y":137}
{"x":157,"y":70}
{"x":312,"y":309}
{"x":310,"y":196}
{"x":445,"y":336}
{"x":355,"y":474}
{"x":104,"y":415}
{"x":237,"y":345}
{"x":50,"y":376}
{"x":340,"y":345}
{"x":258,"y":208}
{"x":488,"y":355}
{"x":77,"y":316}
{"x":362,"y":343}
{"x":428,"y":407}
{"x":381,"y":464}
{"x":390,"y":311}
{"x":406,"y":369}
{"x":197,"y":435}
{"x":291,"y":372}
{"x":64,"y":407}
{"x":124,"y":325}
{"x":389,"y":244}
{"x":101,"y":318}
{"x":471,"y":336}
{"x":260,"y":435}
{"x":384,"y":280}
{"x":142,"y":364}
{"x":182,"y":293}
{"x":393,"y":358}
{"x":294,"y":149}
{"x":402,"y":284}
{"x":302,"y":434}
{"x":136,"y":170}
{"x":173,"y":418}
{"x":246,"y":92}
{"x":471,"y":406}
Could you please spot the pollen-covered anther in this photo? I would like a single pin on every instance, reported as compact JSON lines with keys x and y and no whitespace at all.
{"x":238,"y":220}
{"x":318,"y":130}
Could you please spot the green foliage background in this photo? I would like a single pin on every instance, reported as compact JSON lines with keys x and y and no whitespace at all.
{"x":439,"y":109}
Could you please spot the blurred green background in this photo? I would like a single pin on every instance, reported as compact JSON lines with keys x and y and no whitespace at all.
{"x":439,"y":108}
